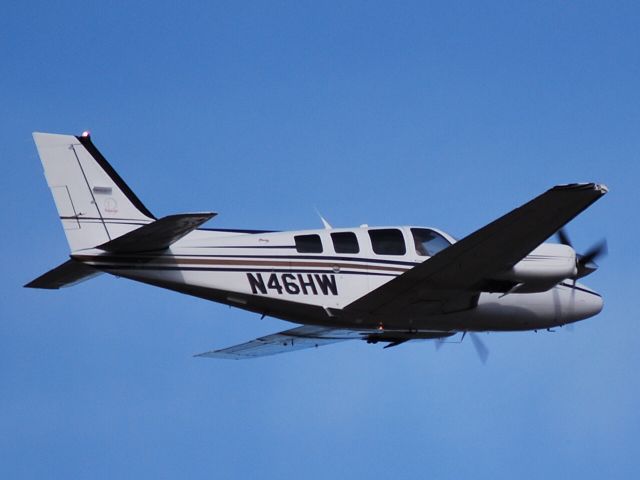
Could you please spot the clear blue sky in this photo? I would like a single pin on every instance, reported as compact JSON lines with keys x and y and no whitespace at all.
{"x":446,"y":114}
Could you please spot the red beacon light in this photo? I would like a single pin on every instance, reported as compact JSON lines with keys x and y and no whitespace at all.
{"x":86,"y":134}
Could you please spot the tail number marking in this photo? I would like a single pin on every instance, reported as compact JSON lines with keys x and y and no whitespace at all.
{"x":288,"y":283}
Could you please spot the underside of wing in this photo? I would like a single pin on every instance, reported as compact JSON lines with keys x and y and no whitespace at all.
{"x":452,"y":279}
{"x":286,"y":341}
{"x":312,"y":337}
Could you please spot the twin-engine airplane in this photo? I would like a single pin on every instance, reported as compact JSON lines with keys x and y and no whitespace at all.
{"x":377,"y":284}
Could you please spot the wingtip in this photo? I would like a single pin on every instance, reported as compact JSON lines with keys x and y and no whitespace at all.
{"x":201,"y":355}
{"x":598,"y":187}
{"x":215,"y":354}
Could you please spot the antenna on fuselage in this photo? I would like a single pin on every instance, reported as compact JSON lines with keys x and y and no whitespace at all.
{"x":325,"y":224}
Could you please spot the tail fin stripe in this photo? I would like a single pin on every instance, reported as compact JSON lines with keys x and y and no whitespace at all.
{"x":109,"y":221}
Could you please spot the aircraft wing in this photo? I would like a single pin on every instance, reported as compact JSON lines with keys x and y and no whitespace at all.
{"x":287,"y":341}
{"x":310,"y":336}
{"x":452,"y":279}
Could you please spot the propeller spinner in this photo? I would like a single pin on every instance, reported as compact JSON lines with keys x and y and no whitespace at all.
{"x":585,"y":262}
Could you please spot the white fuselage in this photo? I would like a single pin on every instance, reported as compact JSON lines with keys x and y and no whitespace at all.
{"x":239,"y":268}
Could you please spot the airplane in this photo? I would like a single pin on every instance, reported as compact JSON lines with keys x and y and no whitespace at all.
{"x":386,"y":285}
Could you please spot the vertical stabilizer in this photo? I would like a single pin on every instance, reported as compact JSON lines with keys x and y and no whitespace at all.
{"x":94,"y":204}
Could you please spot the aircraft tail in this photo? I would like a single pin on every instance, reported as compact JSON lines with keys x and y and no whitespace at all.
{"x":98,"y":210}
{"x":94,"y":204}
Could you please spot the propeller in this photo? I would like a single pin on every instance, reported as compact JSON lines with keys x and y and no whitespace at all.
{"x":585,"y":262}
{"x":478,"y":344}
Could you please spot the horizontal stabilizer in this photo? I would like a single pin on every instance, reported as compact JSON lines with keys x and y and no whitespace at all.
{"x":157,"y":235}
{"x":65,"y":275}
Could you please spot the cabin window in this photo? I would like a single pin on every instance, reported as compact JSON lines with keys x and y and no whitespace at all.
{"x":308,"y":243}
{"x":345,"y":242}
{"x":388,"y":241}
{"x":428,"y":242}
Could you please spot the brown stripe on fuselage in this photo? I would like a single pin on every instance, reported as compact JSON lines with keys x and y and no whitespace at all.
{"x":233,"y":262}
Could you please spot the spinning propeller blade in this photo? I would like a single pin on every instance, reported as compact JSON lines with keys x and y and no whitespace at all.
{"x":585,"y":262}
{"x":598,"y":250}
{"x":478,"y":344}
{"x":564,"y":238}
{"x":481,"y":348}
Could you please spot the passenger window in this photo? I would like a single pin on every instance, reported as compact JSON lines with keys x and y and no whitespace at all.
{"x":428,"y":242}
{"x":387,"y":241}
{"x":308,"y":243}
{"x":345,"y":242}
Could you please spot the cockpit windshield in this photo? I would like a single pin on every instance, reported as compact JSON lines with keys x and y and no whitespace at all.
{"x":428,"y":242}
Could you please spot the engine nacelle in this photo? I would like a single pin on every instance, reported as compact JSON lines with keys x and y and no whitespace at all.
{"x":544,"y":267}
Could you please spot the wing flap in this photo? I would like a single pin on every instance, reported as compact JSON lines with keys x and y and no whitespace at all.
{"x":453,"y":276}
{"x":157,"y":235}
